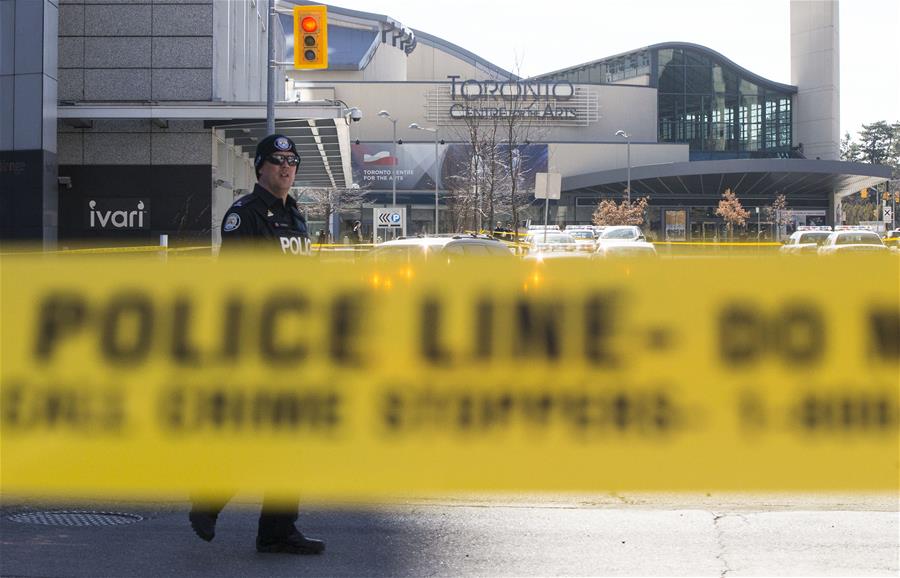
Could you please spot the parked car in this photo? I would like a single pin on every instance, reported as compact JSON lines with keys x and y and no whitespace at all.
{"x":449,"y":246}
{"x":892,"y":239}
{"x":584,"y":239}
{"x":805,"y":240}
{"x":852,"y":240}
{"x":548,"y":241}
{"x":623,"y":241}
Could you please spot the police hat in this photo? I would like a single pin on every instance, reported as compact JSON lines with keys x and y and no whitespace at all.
{"x":271,"y":144}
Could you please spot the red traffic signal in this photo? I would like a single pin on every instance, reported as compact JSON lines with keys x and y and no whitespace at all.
{"x":310,"y":37}
{"x":309,"y":24}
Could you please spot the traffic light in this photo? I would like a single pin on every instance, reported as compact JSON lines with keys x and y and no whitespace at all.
{"x":310,"y":37}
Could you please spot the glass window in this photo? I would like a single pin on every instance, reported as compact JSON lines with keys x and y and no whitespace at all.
{"x":748,"y":88}
{"x":817,"y":238}
{"x":672,"y":79}
{"x":675,"y":225}
{"x":625,"y":233}
{"x":698,"y":80}
{"x":497,"y":250}
{"x":750,"y":123}
{"x":858,"y":239}
{"x":724,"y":79}
{"x":708,"y":105}
{"x":472,"y":249}
{"x":692,"y":58}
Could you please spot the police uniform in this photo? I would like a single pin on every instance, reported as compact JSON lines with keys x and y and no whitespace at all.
{"x":260,"y":219}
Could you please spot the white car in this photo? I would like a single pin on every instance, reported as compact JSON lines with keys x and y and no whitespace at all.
{"x":805,"y":241}
{"x":548,"y":241}
{"x":556,"y":256}
{"x":624,"y":241}
{"x":852,"y":241}
{"x":446,"y":246}
{"x":584,"y":239}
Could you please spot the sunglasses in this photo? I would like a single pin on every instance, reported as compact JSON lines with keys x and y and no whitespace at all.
{"x":291,"y":161}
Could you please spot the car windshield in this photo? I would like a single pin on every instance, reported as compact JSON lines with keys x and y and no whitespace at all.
{"x":858,"y":239}
{"x":582,"y":234}
{"x":393,"y":252}
{"x":817,"y":238}
{"x":476,"y":249}
{"x":619,"y":234}
{"x":554,"y":238}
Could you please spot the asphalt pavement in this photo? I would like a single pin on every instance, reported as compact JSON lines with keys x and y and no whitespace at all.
{"x":584,"y":535}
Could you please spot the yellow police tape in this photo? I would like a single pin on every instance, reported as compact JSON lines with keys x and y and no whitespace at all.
{"x":109,"y":250}
{"x":128,"y":378}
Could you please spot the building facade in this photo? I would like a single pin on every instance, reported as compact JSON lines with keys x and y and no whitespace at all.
{"x":152,"y":108}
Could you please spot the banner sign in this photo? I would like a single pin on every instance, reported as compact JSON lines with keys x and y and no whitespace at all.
{"x":132,"y":378}
{"x":374,"y":165}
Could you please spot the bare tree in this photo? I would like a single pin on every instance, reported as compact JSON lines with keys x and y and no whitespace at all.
{"x":779,"y":214}
{"x":464,"y":185}
{"x":497,"y":163}
{"x":325,"y":202}
{"x":731,"y":210}
{"x":520,"y":128}
{"x":608,"y":212}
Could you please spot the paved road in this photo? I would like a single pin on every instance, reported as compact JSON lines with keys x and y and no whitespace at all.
{"x":611,"y":535}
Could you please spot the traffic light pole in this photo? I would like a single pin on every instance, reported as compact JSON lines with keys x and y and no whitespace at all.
{"x":270,"y":85}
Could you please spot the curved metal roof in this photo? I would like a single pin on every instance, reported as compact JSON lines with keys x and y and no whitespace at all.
{"x":689,"y":45}
{"x":462,"y":53}
{"x":797,"y":178}
{"x":444,"y":45}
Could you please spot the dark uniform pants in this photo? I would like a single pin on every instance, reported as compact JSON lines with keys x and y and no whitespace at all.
{"x":276,"y":518}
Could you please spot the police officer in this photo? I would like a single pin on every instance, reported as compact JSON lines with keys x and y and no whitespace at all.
{"x":267,"y":218}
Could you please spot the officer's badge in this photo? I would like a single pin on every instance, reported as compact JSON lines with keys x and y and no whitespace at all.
{"x":232,"y":222}
{"x":282,"y":144}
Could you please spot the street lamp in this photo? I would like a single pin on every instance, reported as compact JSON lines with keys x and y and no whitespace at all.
{"x":627,"y":138}
{"x":415,"y":126}
{"x":387,"y":115}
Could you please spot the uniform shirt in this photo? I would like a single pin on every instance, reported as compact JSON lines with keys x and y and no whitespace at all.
{"x":260,"y":219}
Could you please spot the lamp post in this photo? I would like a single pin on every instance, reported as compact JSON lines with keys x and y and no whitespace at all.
{"x":415,"y":126}
{"x":627,"y":138}
{"x":387,"y":115}
{"x":270,"y":69}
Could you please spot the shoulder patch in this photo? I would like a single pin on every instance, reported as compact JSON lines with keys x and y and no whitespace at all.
{"x":232,"y":222}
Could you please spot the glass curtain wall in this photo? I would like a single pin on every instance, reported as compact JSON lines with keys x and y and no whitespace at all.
{"x":717,"y":112}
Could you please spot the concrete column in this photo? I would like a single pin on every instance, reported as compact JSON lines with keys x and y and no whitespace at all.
{"x":815,"y":70}
{"x":28,"y":96}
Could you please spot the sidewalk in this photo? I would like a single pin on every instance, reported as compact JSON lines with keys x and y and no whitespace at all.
{"x":532,"y":536}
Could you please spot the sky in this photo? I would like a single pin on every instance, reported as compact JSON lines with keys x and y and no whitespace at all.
{"x":519,"y":35}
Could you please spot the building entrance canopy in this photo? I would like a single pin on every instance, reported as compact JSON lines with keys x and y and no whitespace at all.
{"x":320,"y":131}
{"x":323,"y":145}
{"x":800,"y":180}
